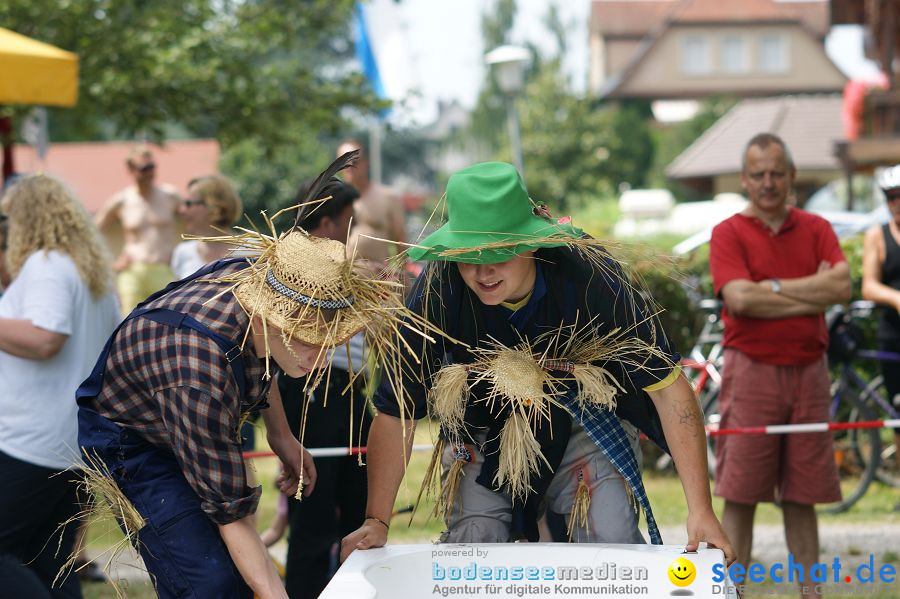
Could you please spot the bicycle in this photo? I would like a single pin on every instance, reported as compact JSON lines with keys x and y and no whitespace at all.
{"x":874,"y":394}
{"x":861,"y":454}
{"x":888,"y":471}
{"x":858,"y":452}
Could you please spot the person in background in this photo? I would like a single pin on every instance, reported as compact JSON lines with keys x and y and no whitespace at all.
{"x":378,"y":213}
{"x":334,"y":418}
{"x":147,"y":213}
{"x":5,"y":278}
{"x":212,"y":206}
{"x":881,"y":284}
{"x":777,"y":269}
{"x":54,"y":318}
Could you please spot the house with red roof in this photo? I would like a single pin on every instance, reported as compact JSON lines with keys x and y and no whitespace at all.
{"x":692,"y":49}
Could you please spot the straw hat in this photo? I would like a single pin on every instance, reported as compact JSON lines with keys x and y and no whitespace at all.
{"x":305,"y":286}
{"x":311,"y":290}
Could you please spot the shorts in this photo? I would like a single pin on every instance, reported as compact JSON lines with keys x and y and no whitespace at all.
{"x":798,"y":468}
{"x":481,"y":515}
{"x":137,"y":282}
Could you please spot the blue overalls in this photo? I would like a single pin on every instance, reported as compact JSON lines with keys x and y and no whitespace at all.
{"x":181,"y":546}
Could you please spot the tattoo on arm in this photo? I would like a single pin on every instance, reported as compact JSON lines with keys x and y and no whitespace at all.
{"x":689,"y":416}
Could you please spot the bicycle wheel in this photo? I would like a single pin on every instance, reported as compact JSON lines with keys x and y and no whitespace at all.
{"x":875,"y":396}
{"x":856,"y":453}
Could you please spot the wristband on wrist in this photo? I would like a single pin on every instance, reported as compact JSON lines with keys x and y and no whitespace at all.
{"x":379,"y":520}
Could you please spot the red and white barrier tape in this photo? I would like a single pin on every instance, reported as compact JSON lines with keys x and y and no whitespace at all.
{"x":813,"y":427}
{"x":329,"y":452}
{"x":712,"y":431}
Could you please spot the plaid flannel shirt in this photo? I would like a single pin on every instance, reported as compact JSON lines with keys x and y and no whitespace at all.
{"x":176,"y":389}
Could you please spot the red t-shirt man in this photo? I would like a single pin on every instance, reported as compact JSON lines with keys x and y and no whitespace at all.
{"x":777,"y":269}
{"x":744,"y":247}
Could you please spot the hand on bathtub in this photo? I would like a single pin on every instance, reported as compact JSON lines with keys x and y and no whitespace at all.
{"x":370,"y":535}
{"x":706,"y":527}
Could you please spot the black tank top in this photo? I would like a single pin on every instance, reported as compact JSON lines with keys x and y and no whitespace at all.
{"x":889,"y":327}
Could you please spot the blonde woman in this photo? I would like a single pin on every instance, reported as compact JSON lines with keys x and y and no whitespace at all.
{"x":54,"y":319}
{"x":211,"y":207}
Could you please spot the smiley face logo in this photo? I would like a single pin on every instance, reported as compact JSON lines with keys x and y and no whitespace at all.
{"x":682,"y":572}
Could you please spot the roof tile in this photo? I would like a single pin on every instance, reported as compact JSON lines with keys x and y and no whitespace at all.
{"x":639,"y":17}
{"x":809,"y":125}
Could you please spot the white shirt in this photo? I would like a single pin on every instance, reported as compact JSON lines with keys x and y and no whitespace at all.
{"x":38,"y":414}
{"x":357,"y":345}
{"x":186,"y":259}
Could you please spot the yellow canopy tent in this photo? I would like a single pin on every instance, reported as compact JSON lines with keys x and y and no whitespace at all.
{"x":32,"y":72}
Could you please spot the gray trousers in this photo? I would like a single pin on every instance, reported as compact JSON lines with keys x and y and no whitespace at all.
{"x":481,"y":515}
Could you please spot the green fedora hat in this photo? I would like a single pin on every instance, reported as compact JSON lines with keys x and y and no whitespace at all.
{"x":490,"y":219}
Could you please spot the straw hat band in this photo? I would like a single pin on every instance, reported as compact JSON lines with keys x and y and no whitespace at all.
{"x":298,"y":297}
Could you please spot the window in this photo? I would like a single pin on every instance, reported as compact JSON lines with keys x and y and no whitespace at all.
{"x":695,"y":55}
{"x":733,"y":54}
{"x":773,"y":55}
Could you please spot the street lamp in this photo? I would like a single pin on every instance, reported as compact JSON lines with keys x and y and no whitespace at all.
{"x":509,"y":68}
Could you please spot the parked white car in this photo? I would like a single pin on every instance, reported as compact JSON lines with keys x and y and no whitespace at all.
{"x":869,"y":206}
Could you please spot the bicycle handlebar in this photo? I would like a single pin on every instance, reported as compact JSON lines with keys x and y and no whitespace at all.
{"x":710,"y":305}
{"x":861,"y":308}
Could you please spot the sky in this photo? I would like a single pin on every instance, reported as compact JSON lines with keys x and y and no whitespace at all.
{"x":431,"y":50}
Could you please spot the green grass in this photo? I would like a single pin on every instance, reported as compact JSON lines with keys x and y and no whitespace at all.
{"x":134,"y":590}
{"x":667,"y":499}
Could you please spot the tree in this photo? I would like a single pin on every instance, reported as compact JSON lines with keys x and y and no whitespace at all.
{"x":489,"y":116}
{"x":224,"y":68}
{"x":575,"y":150}
{"x":268,"y":179}
{"x":267,"y":78}
{"x":674,"y":140}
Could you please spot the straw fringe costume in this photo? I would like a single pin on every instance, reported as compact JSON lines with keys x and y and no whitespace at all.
{"x":539,"y":401}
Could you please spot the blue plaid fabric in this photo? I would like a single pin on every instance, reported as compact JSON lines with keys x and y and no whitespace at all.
{"x":605,"y":430}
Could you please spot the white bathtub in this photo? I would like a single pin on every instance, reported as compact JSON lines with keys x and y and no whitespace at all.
{"x":530,"y":570}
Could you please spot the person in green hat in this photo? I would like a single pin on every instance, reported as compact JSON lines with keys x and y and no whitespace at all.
{"x":554,"y":365}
